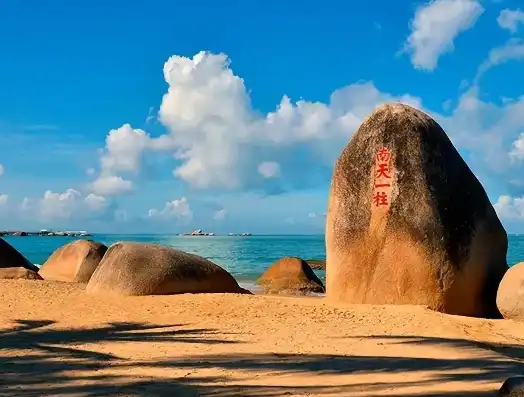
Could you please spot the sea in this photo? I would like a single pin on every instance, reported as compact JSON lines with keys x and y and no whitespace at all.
{"x":246,"y":258}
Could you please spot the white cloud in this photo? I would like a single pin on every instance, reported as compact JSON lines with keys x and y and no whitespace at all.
{"x":122,"y":154}
{"x":219,"y":140}
{"x":435,"y":27}
{"x":220,"y":215}
{"x":510,"y":208}
{"x":512,"y":50}
{"x":510,"y":19}
{"x":124,"y":148}
{"x":111,"y":186}
{"x":486,"y":130}
{"x":517,"y":152}
{"x":63,"y":206}
{"x":178,"y":209}
{"x":269,"y":169}
{"x":2,"y":170}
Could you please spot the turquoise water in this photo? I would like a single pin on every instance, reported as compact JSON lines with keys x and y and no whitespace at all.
{"x":245,"y":257}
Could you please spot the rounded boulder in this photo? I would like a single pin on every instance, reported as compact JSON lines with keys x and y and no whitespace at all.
{"x":74,"y":262}
{"x":290,"y":275}
{"x":409,"y":223}
{"x":134,"y":269}
{"x":510,"y":295}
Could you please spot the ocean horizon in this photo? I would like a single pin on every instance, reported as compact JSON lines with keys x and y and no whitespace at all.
{"x":246,"y":258}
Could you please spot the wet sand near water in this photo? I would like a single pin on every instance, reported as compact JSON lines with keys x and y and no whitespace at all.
{"x":56,"y":340}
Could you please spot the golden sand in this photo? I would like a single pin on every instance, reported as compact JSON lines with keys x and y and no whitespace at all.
{"x":56,"y":340}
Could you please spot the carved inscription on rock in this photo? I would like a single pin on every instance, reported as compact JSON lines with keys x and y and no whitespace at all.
{"x":383,"y":177}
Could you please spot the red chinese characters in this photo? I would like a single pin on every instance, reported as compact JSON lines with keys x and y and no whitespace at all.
{"x":382,"y":178}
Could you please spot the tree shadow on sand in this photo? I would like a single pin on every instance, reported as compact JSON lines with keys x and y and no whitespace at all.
{"x":39,"y":359}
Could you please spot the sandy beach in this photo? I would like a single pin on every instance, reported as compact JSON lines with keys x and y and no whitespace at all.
{"x":59,"y":341}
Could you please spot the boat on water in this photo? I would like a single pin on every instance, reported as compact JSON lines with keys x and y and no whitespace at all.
{"x":197,"y":232}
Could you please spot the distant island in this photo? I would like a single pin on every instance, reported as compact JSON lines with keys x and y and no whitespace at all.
{"x":199,"y":232}
{"x":45,"y":232}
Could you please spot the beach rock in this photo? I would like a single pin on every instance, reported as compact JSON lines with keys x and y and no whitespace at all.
{"x":513,"y":387}
{"x":10,"y":257}
{"x":17,"y":273}
{"x":74,"y":262}
{"x":147,"y":269}
{"x":316,"y":264}
{"x":510,"y":295}
{"x":409,"y":223}
{"x":290,"y":275}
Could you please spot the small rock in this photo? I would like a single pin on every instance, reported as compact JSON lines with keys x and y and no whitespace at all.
{"x":510,"y":295}
{"x":290,"y":275}
{"x":18,"y":273}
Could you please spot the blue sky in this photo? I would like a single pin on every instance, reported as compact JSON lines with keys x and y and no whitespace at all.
{"x":165,"y":116}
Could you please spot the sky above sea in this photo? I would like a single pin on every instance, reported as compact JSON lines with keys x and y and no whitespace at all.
{"x":165,"y":116}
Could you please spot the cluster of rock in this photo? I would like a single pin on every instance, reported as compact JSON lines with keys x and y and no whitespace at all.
{"x":407,"y":223}
{"x":125,"y":268}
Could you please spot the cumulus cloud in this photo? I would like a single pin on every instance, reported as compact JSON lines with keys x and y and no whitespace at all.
{"x":124,"y":148}
{"x":111,"y":185}
{"x":176,"y":209}
{"x":122,"y":154}
{"x":219,"y":140}
{"x":70,"y":204}
{"x":220,"y":215}
{"x":435,"y":27}
{"x":510,"y":19}
{"x":510,"y":208}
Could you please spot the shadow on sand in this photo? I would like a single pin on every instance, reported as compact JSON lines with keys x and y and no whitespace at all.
{"x":39,"y":359}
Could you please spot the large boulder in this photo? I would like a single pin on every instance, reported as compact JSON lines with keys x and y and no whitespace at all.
{"x":510,"y":295}
{"x":290,"y":275}
{"x":148,"y":269}
{"x":10,"y":257}
{"x":409,"y":223}
{"x":74,"y":262}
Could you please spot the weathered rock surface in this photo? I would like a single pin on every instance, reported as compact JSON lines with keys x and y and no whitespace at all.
{"x":290,"y":275}
{"x":10,"y":257}
{"x":409,"y":223}
{"x":74,"y":262}
{"x":510,"y":295}
{"x":149,"y":269}
{"x":17,"y":273}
